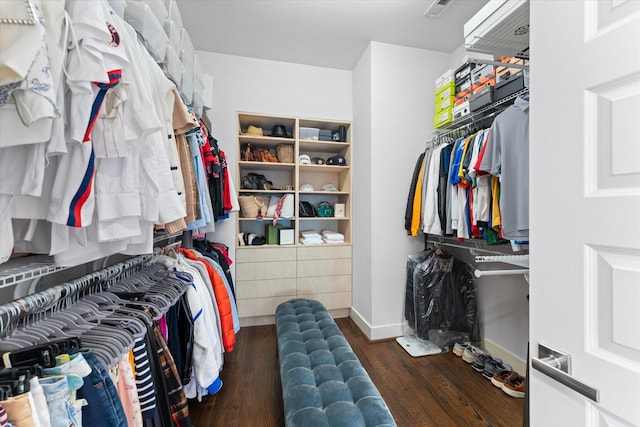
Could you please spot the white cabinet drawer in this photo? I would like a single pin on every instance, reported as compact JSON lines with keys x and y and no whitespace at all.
{"x":324,"y":252}
{"x":329,"y":267}
{"x":259,"y":306}
{"x":324,"y":284}
{"x":248,"y":289}
{"x":331,"y":300}
{"x":263,"y":254}
{"x":265,"y":270}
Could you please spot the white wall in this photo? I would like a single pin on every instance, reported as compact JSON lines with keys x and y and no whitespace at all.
{"x":269,"y":87}
{"x":362,"y":206}
{"x":402,"y":84}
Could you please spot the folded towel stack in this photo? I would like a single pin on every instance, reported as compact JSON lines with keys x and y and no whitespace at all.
{"x":332,"y":237}
{"x":310,"y":238}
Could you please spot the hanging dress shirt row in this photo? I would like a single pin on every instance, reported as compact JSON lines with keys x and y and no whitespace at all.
{"x":125,"y":352}
{"x":476,"y":186}
{"x":96,"y":143}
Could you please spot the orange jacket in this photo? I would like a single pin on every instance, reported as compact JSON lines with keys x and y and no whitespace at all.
{"x":222,"y":301}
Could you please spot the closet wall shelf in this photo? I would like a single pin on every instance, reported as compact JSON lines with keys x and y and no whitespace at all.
{"x":499,"y":63}
{"x":519,"y":260}
{"x":32,"y":267}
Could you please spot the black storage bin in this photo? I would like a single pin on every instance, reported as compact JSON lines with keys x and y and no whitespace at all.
{"x":481,"y":99}
{"x":509,"y":86}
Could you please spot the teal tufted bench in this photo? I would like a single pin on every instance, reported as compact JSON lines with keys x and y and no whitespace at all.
{"x":323,"y":382}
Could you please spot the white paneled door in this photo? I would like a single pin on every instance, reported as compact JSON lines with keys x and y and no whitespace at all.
{"x":585,"y":213}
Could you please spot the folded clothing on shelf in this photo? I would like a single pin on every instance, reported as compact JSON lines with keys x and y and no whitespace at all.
{"x":307,"y":241}
{"x":332,"y":242}
{"x":332,"y":236}
{"x":310,"y":238}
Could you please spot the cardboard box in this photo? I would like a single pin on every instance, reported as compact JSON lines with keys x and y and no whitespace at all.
{"x":446,"y":77}
{"x":460,"y":111}
{"x":509,"y":86}
{"x":443,"y":104}
{"x":482,"y":73}
{"x":448,"y":89}
{"x":443,"y":118}
{"x":481,"y":99}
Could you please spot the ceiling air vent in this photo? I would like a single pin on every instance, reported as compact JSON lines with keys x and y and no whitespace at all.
{"x":436,"y":8}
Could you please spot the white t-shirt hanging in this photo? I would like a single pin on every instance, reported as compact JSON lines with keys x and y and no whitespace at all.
{"x":97,"y":50}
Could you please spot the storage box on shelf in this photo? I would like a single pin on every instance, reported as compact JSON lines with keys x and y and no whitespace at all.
{"x":325,"y":269}
{"x":443,"y":117}
{"x":446,"y":77}
{"x":509,"y":85}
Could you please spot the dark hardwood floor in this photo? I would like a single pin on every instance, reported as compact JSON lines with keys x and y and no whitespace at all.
{"x":437,"y":391}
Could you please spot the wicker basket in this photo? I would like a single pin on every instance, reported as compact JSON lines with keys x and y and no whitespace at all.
{"x":250,"y":205}
{"x":284,"y":153}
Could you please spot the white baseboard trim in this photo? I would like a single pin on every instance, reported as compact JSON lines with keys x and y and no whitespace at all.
{"x":518,"y":365}
{"x":359,"y":320}
{"x":375,"y":333}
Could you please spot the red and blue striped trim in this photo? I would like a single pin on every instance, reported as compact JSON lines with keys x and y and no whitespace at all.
{"x":84,"y":191}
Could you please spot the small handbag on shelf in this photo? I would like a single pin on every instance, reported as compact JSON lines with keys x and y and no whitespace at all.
{"x":325,"y":209}
{"x":252,"y":206}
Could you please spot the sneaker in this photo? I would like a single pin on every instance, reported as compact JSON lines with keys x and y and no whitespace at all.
{"x":481,"y":360}
{"x":514,"y":386}
{"x":470,"y":353}
{"x":493,"y":366}
{"x":501,"y":377}
{"x":458,"y":348}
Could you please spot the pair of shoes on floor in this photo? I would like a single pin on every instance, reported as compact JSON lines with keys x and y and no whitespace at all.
{"x":462,"y":348}
{"x":484,"y":361}
{"x":459,"y":347}
{"x":471,"y":352}
{"x":510,"y":382}
{"x":492,"y":366}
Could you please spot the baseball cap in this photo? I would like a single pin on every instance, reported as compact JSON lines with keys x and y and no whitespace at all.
{"x":337,"y":160}
{"x":329,"y":187}
{"x":304,"y":159}
{"x":306,"y":187}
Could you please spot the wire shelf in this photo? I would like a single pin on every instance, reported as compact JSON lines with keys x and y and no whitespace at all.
{"x":32,"y":267}
{"x":520,"y":260}
{"x":19,"y":270}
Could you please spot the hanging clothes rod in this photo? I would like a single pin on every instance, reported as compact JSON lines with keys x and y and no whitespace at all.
{"x":13,"y":312}
{"x":480,"y":273}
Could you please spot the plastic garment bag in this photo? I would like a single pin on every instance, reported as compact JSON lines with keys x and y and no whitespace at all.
{"x":440,"y":298}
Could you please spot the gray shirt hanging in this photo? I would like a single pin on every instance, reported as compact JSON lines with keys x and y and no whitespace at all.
{"x":507,"y":156}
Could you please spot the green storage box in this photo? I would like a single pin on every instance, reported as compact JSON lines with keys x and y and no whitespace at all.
{"x":443,"y":118}
{"x":272,"y":233}
{"x":445,"y":103}
{"x":445,"y":91}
